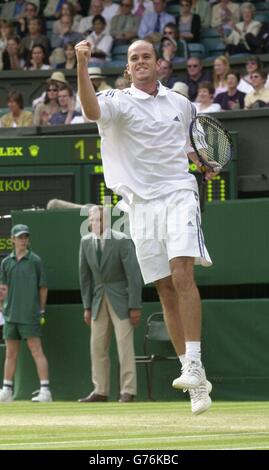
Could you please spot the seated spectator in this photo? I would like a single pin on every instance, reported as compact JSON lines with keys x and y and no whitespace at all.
{"x":165,"y":73}
{"x":12,"y":57}
{"x":58,"y":79}
{"x":222,"y":15}
{"x":13,"y":10}
{"x":181,"y":88}
{"x":17,"y":117}
{"x":53,"y":8}
{"x":195,"y":75}
{"x":240,"y":38}
{"x":232,"y":98}
{"x":121,"y":83}
{"x":253,"y":63}
{"x":66,"y":35}
{"x":142,"y":7}
{"x":259,"y":97}
{"x":67,"y":107}
{"x":171,"y":30}
{"x":68,"y":9}
{"x":204,"y":101}
{"x":38,"y":59}
{"x":203,"y":9}
{"x":98,"y":82}
{"x":97,"y":78}
{"x":70,"y":57}
{"x":30,"y":12}
{"x":221,"y":68}
{"x":44,"y":111}
{"x":6,"y":32}
{"x":124,"y":26}
{"x":172,"y":51}
{"x":152,"y":24}
{"x":189,"y":24}
{"x":101,"y":42}
{"x":85,"y":24}
{"x":260,"y":44}
{"x":34,"y":37}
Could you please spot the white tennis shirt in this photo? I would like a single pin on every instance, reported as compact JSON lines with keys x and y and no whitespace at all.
{"x":144,"y":142}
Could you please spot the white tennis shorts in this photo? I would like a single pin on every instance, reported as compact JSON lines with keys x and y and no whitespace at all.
{"x":166,"y":228}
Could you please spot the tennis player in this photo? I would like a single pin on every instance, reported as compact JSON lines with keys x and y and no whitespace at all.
{"x":145,"y":147}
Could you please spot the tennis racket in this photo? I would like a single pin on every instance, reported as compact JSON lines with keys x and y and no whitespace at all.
{"x":212,"y":144}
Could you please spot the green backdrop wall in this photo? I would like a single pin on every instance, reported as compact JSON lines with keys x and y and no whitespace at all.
{"x":235,"y":354}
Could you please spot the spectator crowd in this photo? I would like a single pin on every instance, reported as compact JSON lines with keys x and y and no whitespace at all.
{"x":39,"y":35}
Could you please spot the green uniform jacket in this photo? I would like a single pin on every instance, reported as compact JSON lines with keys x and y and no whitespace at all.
{"x":118,"y":275}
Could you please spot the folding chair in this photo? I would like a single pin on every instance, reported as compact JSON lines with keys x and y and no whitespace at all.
{"x":157,"y":347}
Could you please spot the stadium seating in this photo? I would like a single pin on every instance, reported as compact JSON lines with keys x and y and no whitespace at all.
{"x":196,"y":50}
{"x":157,"y":347}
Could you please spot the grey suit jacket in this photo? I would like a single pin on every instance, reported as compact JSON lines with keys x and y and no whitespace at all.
{"x":118,"y":275}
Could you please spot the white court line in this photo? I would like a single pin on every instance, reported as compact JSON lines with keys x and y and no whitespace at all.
{"x":135,"y":439}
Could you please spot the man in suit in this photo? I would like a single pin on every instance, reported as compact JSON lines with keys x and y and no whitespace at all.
{"x":111,"y":284}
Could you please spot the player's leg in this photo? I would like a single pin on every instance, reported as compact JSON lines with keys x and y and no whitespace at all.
{"x":193,"y":375}
{"x":35,"y":346}
{"x":169,"y":300}
{"x":12,"y":350}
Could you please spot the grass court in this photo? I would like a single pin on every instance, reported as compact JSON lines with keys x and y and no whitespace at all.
{"x":142,"y":425}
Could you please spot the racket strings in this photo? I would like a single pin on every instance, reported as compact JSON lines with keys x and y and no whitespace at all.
{"x":211,"y":140}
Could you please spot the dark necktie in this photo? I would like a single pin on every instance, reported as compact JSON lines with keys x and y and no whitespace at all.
{"x":99,"y":251}
{"x":158,"y":24}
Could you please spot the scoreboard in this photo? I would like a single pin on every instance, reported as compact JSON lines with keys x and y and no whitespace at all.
{"x":35,"y":169}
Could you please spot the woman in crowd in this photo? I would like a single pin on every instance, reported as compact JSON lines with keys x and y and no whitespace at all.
{"x":253,"y":63}
{"x":38,"y":59}
{"x":12,"y":57}
{"x":189,"y":24}
{"x":16,"y":117}
{"x":44,"y":111}
{"x":70,"y":57}
{"x":6,"y":32}
{"x":232,"y":98}
{"x":204,"y":101}
{"x":172,"y":51}
{"x":67,"y":8}
{"x":242,"y":33}
{"x":221,"y":67}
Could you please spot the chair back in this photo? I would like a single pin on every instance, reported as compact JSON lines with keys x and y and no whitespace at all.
{"x":156,"y":328}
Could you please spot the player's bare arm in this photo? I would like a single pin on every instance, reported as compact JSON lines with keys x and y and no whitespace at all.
{"x":208,"y":172}
{"x":85,"y":88}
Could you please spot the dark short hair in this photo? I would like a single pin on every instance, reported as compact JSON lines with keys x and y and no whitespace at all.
{"x":99,"y":18}
{"x":208,"y":86}
{"x":14,"y":95}
{"x":235,"y":74}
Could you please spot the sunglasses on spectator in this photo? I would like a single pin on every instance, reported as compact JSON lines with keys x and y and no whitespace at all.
{"x":192,"y":66}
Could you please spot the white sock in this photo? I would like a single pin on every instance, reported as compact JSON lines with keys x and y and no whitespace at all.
{"x":193,"y":351}
{"x":182,"y":358}
{"x":44,"y":384}
{"x":7,"y":385}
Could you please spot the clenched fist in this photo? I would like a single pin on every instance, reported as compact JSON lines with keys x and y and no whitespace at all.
{"x":83,"y":52}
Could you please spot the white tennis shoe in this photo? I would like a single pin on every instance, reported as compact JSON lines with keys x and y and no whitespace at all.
{"x":193,"y":375}
{"x":6,"y":395}
{"x":200,"y":399}
{"x":44,"y":396}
